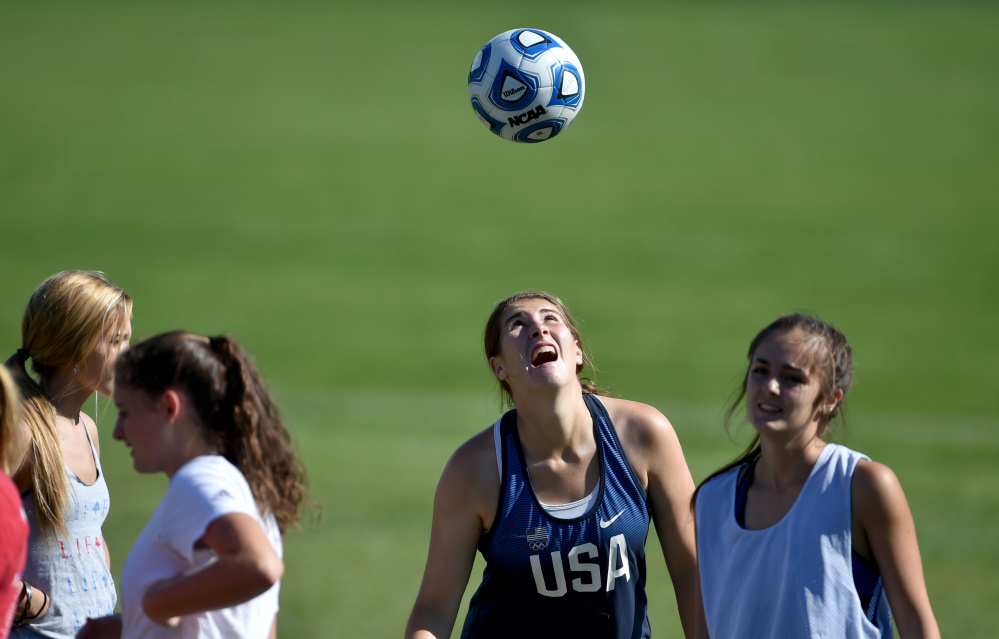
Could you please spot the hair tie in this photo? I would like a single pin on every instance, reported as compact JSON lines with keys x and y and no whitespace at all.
{"x":23,"y":354}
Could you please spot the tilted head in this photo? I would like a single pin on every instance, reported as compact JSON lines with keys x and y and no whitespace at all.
{"x":823,"y":348}
{"x":493,"y":334}
{"x":827,"y":355}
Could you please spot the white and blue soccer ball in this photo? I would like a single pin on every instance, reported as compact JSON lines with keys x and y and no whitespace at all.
{"x":526,"y":85}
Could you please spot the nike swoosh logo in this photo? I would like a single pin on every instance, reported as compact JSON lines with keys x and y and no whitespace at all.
{"x":604,"y":524}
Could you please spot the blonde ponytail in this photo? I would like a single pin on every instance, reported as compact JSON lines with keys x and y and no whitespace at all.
{"x":49,"y":483}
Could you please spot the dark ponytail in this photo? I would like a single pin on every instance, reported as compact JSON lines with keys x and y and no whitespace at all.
{"x":254,"y":437}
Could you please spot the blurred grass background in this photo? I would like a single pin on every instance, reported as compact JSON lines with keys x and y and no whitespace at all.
{"x":310,"y":178}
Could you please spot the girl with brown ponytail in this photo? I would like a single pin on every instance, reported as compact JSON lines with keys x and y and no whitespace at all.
{"x":800,"y":537}
{"x":208,"y":563}
{"x":75,"y":325}
{"x":557,"y":497}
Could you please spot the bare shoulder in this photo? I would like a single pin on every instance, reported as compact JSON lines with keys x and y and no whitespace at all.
{"x":471,"y":478}
{"x":638,"y":423}
{"x":876,"y":491}
{"x":471,"y":458}
{"x":647,"y":436}
{"x":888,"y":536}
{"x":873,"y":479}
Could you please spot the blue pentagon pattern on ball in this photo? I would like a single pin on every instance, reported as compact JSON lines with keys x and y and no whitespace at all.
{"x":526,"y":85}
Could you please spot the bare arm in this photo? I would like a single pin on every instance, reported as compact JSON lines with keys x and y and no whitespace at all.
{"x":655,"y":453}
{"x":37,"y":606}
{"x":247,"y":566}
{"x":888,"y":532}
{"x":465,"y":490}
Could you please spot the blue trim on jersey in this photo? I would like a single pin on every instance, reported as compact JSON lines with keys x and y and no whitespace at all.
{"x":549,"y":577}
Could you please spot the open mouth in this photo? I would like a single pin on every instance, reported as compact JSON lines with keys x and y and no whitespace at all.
{"x":769,"y":408}
{"x":543,"y":355}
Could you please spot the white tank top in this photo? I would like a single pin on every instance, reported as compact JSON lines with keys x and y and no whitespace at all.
{"x":71,"y":570}
{"x":795,"y":578}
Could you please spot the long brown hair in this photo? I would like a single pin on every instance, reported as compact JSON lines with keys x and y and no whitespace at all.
{"x":829,"y":355}
{"x":493,"y":333}
{"x":238,"y":416}
{"x":65,"y":319}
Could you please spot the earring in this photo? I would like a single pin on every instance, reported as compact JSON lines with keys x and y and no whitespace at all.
{"x":76,"y":369}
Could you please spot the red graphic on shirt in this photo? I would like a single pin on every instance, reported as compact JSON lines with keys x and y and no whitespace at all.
{"x":81,"y":548}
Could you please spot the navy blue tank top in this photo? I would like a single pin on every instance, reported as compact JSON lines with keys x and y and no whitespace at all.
{"x":549,"y":577}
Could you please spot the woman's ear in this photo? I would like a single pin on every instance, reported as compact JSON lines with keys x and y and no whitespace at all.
{"x":833,"y":403}
{"x":171,"y":404}
{"x":497,"y":367}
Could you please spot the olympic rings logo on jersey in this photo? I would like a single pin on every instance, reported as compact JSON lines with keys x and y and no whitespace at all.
{"x":537,"y":538}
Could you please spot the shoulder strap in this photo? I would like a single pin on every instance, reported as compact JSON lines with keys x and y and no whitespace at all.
{"x":498,"y":442}
{"x":596,"y":407}
{"x":606,"y":433}
{"x":93,"y":449}
{"x":501,"y":428}
{"x":744,"y":479}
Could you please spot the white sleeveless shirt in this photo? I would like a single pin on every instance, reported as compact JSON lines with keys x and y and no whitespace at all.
{"x":795,"y":578}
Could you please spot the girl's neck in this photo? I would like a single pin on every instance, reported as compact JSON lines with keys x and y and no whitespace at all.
{"x":190,"y":449}
{"x":556,"y":422}
{"x":787,"y":464}
{"x":66,"y":394}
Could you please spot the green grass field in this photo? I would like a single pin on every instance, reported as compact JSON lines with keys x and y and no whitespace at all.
{"x":310,"y":178}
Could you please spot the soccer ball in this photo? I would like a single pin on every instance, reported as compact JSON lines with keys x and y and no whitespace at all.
{"x":526,"y":85}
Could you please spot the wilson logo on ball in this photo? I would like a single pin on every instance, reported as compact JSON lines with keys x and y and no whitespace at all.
{"x":509,"y":93}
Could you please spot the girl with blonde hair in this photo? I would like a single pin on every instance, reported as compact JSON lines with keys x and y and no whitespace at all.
{"x":75,"y":325}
